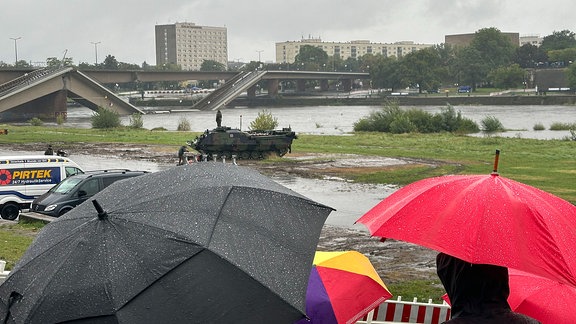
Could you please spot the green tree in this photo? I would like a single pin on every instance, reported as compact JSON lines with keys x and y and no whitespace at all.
{"x":212,"y":66}
{"x":469,"y":68}
{"x":507,"y":77}
{"x":488,"y":50}
{"x":566,"y":56}
{"x":110,"y":63}
{"x":311,"y":58}
{"x":571,"y":76}
{"x":422,"y":68}
{"x":53,"y":62}
{"x":528,"y":55}
{"x":495,"y":48}
{"x":387,"y":73}
{"x":264,"y":121}
{"x":558,"y":40}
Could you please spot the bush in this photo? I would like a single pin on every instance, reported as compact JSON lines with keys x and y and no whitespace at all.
{"x":36,"y":121}
{"x":562,"y":126}
{"x":136,"y":121}
{"x":60,"y":119}
{"x":264,"y":121}
{"x":105,"y":118}
{"x":491,"y":124}
{"x":183,"y":125}
{"x":392,"y":119}
{"x":538,"y":127}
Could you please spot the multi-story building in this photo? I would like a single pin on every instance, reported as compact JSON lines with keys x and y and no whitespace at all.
{"x":466,"y":39}
{"x":531,"y":39}
{"x":188,"y":45}
{"x":286,"y":51}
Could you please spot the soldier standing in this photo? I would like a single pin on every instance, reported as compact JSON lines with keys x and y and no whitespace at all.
{"x":219,"y":118}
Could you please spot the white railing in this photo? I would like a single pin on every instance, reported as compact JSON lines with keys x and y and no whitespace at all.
{"x":3,"y":274}
{"x":398,"y":311}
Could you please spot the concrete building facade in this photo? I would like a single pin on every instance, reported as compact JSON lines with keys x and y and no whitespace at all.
{"x":286,"y":51}
{"x":531,"y":39}
{"x":188,"y":45}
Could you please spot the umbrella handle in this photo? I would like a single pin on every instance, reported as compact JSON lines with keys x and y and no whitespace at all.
{"x":496,"y":158}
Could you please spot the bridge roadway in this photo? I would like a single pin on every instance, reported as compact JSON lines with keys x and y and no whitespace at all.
{"x":125,"y":76}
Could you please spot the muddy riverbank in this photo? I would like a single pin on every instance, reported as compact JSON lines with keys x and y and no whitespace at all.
{"x":395,"y":261}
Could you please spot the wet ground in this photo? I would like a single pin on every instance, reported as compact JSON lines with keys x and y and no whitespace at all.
{"x":316,"y":176}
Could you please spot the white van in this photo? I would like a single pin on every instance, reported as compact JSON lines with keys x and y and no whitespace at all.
{"x":24,"y":178}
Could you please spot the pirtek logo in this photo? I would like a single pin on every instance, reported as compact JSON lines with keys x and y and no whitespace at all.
{"x":31,"y":174}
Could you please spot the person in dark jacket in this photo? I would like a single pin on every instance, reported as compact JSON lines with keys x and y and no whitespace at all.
{"x":218,"y":118}
{"x":49,"y":150}
{"x":478,"y":292}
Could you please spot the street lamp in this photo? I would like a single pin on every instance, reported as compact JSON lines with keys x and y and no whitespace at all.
{"x":95,"y":51}
{"x":259,"y":52}
{"x":15,"y":48}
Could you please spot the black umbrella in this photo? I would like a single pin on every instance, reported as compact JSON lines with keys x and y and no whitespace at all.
{"x":202,"y":243}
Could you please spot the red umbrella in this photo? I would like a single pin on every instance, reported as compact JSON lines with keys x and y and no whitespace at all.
{"x":543,"y":299}
{"x":483,"y":219}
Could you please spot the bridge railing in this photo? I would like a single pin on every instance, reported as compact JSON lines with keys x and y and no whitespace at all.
{"x":27,"y":78}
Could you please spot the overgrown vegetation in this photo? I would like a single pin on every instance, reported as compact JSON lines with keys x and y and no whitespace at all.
{"x":136,"y":121}
{"x":491,"y":124}
{"x":264,"y":121}
{"x":183,"y":125}
{"x":558,"y":126}
{"x":538,"y":127}
{"x":36,"y":121}
{"x":105,"y":119}
{"x":393,"y":119}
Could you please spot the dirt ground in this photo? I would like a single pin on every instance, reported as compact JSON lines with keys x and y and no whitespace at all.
{"x":395,"y":261}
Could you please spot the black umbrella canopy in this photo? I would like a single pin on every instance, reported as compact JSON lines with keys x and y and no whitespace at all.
{"x":208,"y":242}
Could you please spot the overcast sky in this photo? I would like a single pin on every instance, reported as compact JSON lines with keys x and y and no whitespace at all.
{"x":125,"y":28}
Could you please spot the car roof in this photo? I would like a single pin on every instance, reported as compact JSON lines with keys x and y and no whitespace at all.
{"x":109,"y":172}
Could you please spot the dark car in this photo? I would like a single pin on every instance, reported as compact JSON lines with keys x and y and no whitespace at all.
{"x":76,"y":189}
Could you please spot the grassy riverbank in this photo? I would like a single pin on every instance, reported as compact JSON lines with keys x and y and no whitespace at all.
{"x":546,"y":164}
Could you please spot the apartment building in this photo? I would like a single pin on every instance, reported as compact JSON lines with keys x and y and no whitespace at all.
{"x":188,"y":45}
{"x":286,"y":51}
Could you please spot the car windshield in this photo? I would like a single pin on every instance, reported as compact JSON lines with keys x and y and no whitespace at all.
{"x":66,"y":185}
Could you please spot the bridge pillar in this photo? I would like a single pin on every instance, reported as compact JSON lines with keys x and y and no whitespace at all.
{"x":251,"y":92}
{"x":347,"y":84}
{"x":300,"y":85}
{"x":324,"y":85}
{"x":273,"y":87}
{"x":50,"y":106}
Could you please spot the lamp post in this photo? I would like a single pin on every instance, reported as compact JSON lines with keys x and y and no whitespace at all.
{"x":95,"y":51}
{"x":16,"y":48}
{"x":259,"y":52}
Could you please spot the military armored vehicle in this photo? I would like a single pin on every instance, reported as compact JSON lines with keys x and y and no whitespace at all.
{"x":255,"y":144}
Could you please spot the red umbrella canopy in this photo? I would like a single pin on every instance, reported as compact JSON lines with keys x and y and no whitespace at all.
{"x":483,"y":219}
{"x":543,"y":299}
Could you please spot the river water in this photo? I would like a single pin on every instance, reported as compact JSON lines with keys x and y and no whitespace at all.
{"x":351,"y":200}
{"x":337,"y":120}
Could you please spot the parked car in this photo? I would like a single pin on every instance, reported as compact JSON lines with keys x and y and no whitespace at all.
{"x":464,"y":89}
{"x":76,"y":189}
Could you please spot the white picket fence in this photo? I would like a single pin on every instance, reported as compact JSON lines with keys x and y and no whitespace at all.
{"x":398,"y":311}
{"x":3,"y":273}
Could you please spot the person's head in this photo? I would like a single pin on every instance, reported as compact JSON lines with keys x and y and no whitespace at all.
{"x":473,"y":287}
